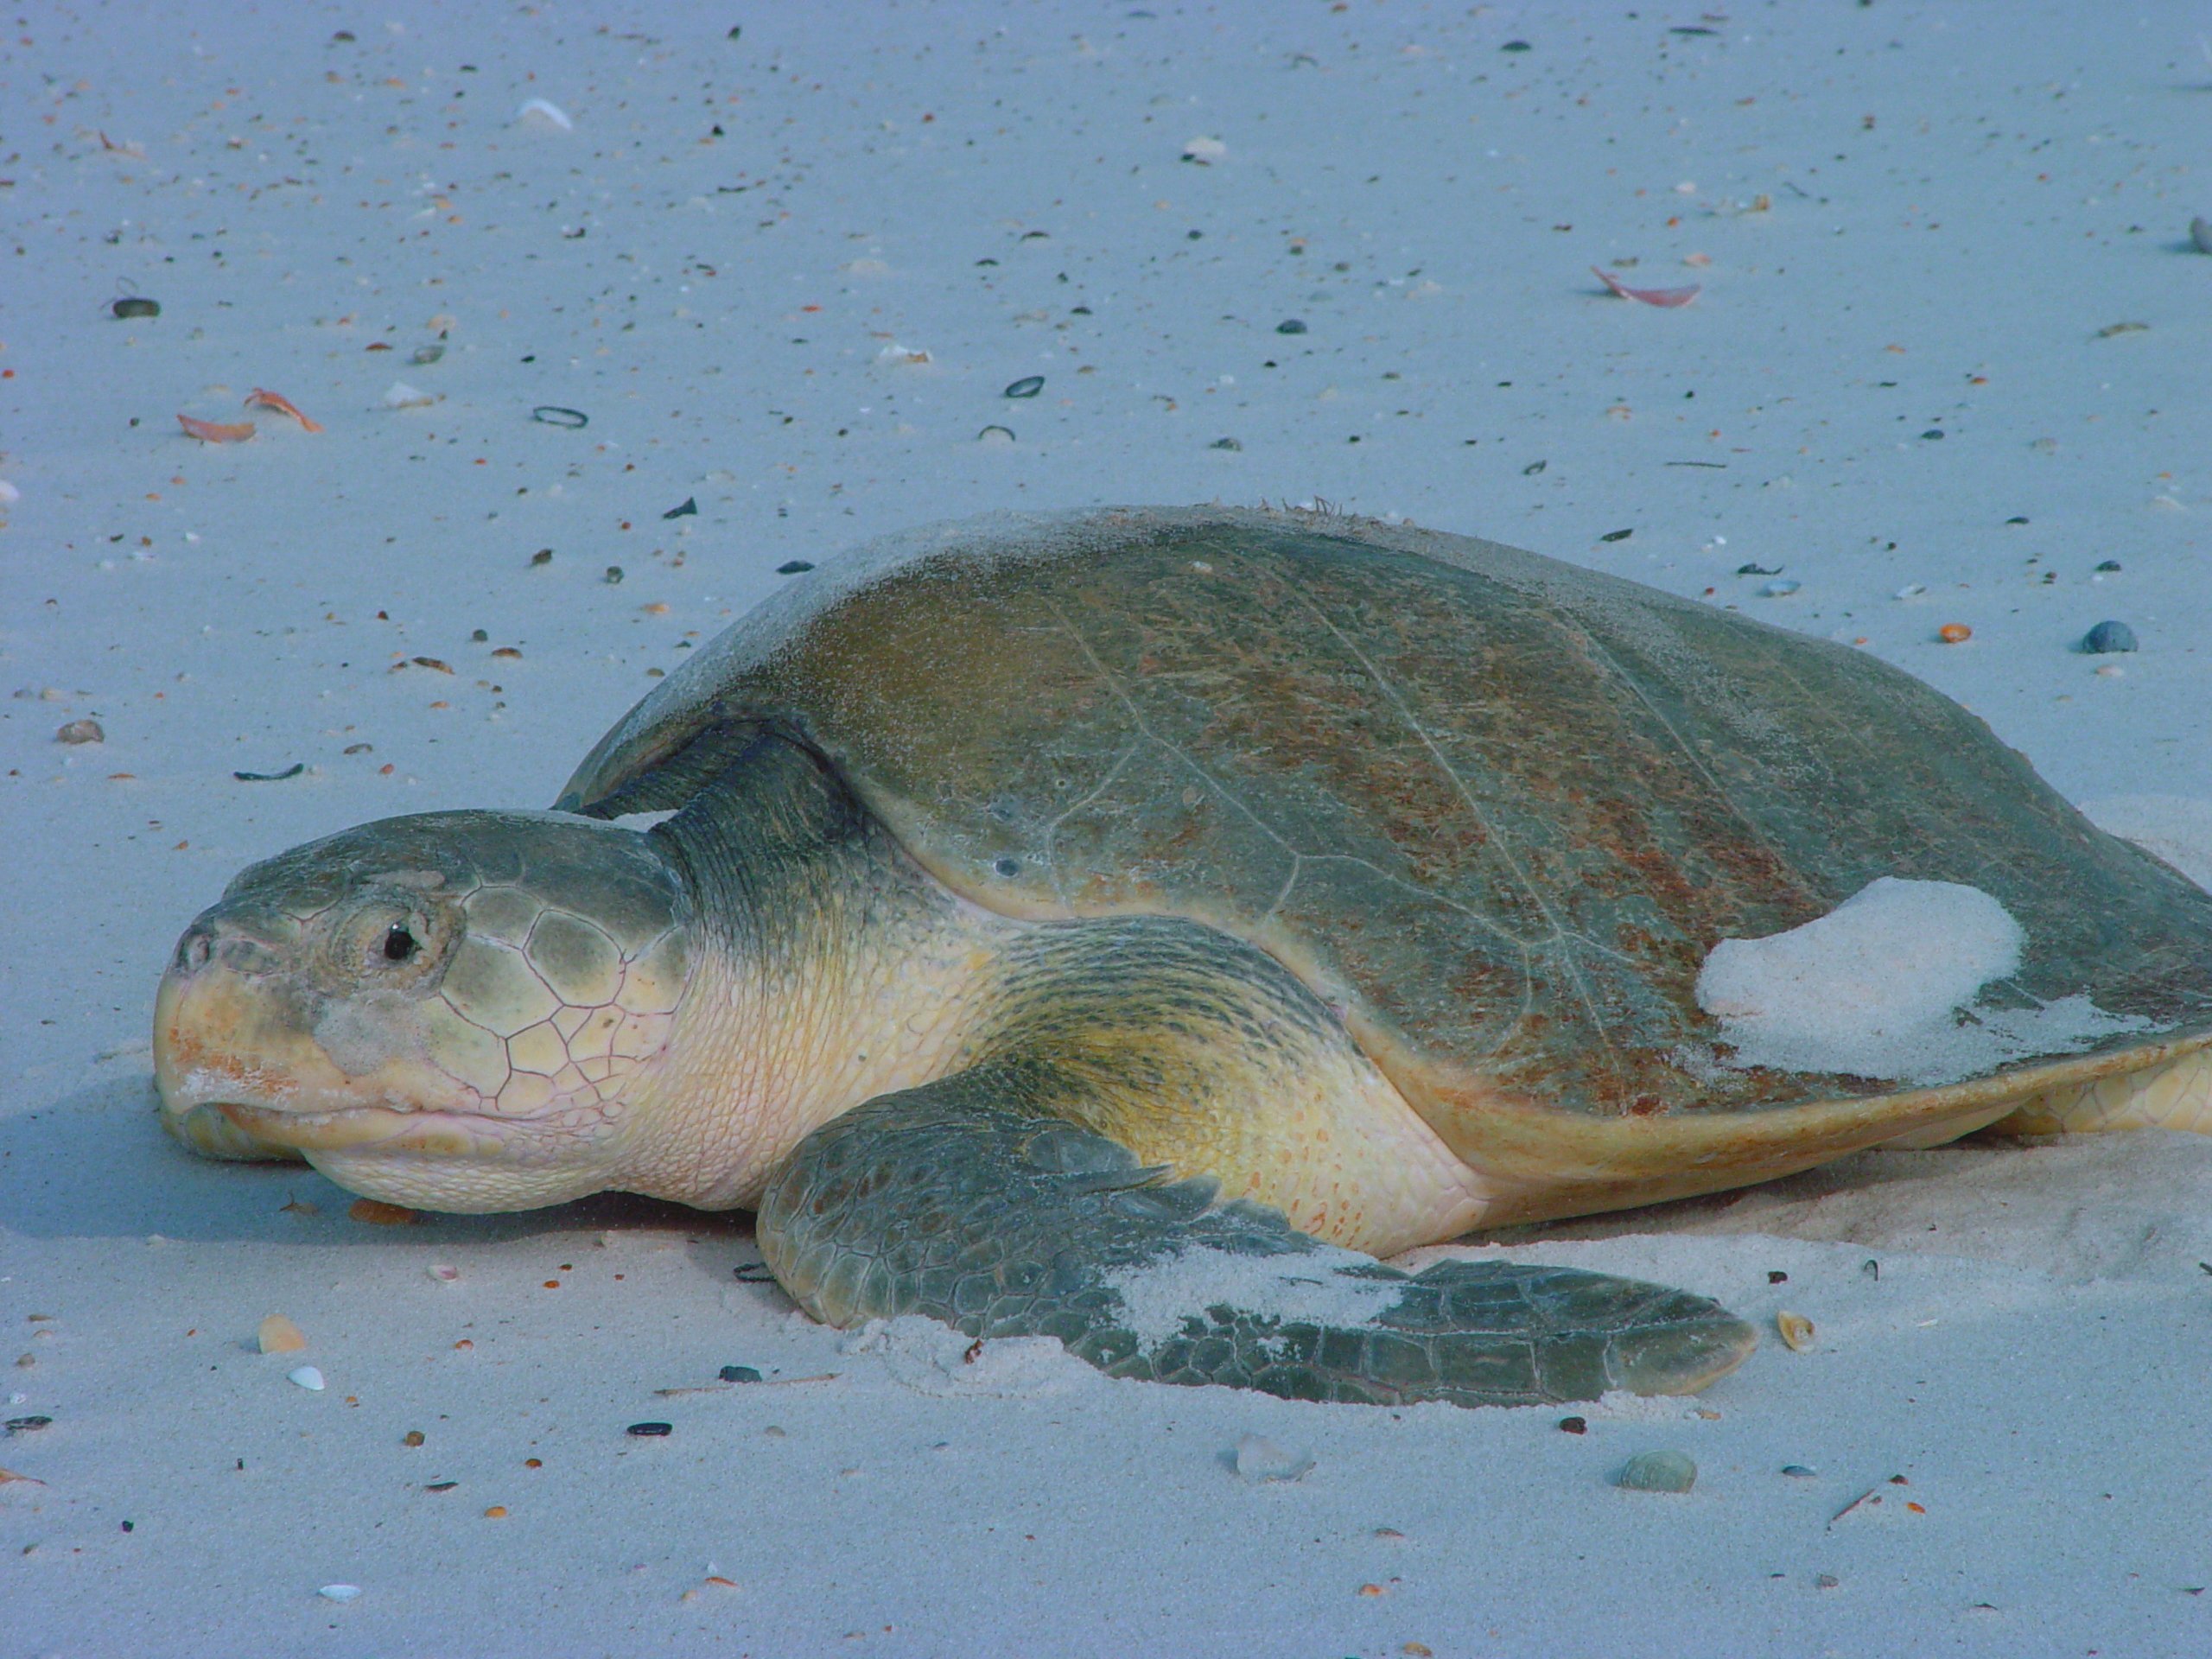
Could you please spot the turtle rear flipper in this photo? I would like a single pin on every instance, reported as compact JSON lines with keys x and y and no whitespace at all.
{"x":959,"y":1201}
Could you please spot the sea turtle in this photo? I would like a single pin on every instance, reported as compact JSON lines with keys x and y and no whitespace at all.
{"x":1126,"y":927}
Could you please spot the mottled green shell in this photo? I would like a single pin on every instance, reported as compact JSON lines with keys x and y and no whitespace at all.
{"x":1495,"y":808}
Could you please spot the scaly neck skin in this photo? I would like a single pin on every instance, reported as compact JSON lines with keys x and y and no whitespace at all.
{"x":827,"y":969}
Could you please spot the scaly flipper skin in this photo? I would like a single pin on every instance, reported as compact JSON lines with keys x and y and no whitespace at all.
{"x":961,"y":1201}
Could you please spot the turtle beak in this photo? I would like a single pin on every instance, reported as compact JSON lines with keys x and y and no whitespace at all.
{"x":236,"y":1063}
{"x":214,"y":1005}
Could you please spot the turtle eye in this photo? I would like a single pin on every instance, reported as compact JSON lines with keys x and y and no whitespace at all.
{"x":400,"y":944}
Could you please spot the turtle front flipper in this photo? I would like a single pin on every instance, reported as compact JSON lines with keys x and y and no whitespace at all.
{"x":960,"y":1201}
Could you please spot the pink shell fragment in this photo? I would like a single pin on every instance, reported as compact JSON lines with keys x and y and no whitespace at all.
{"x":1649,"y":296}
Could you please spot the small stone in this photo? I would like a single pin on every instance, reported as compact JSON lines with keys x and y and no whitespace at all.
{"x":2108,"y":565}
{"x":307,"y":1377}
{"x":497,"y":1512}
{"x":412,"y":1437}
{"x":613,"y":575}
{"x":26,"y":1425}
{"x":1225,"y":443}
{"x":2106,"y":637}
{"x":80,"y":731}
{"x":1028,"y":387}
{"x":137,"y":305}
{"x":1259,"y":1460}
{"x":1826,"y":1580}
{"x":543,"y":556}
{"x":1574,"y":1425}
{"x":1796,"y":1331}
{"x":339,"y":1591}
{"x":738,"y":1374}
{"x":794,"y":567}
{"x":1290,"y":326}
{"x":1658,"y":1471}
{"x":426,"y":355}
{"x":1954,"y":633}
{"x":687,"y":509}
{"x":1798,"y":1472}
{"x":278,"y":1335}
{"x":650,"y":1431}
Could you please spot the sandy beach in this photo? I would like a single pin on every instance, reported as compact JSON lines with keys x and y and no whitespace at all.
{"x":605,"y":315}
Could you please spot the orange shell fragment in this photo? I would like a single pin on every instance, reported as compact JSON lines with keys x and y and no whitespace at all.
{"x":276,"y":400}
{"x":1953,"y":633}
{"x":216,"y":431}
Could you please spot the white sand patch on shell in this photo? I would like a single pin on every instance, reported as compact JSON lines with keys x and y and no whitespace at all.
{"x":2176,"y":828}
{"x":1311,"y":1287}
{"x":1884,"y":986}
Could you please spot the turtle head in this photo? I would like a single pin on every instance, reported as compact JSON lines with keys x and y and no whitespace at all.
{"x":440,"y":1010}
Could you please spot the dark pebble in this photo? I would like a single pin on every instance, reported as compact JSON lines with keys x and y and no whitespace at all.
{"x":650,"y":1431}
{"x":1617,"y":536}
{"x":613,"y":576}
{"x":292,"y":770}
{"x":135,"y":305}
{"x":2109,"y":564}
{"x":479,"y":637}
{"x":2018,"y":518}
{"x":1028,"y":387}
{"x":1933,"y":432}
{"x":1516,"y":46}
{"x":1757,"y":570}
{"x":1776,"y":1276}
{"x":1225,"y":443}
{"x":1533,"y":468}
{"x":543,"y":556}
{"x":2107,"y":637}
{"x":690,"y":508}
{"x":1574,"y":1425}
{"x":26,"y":1425}
{"x":1290,"y":326}
{"x":794,"y":567}
{"x":441,"y":1486}
{"x":738,"y":1374}
{"x":1798,"y":1472}
{"x":553,"y":415}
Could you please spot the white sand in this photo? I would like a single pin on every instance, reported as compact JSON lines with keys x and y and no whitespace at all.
{"x":1886,"y":985}
{"x":1907,"y":219}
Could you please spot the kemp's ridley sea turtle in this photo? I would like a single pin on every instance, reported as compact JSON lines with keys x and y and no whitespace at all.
{"x":1125,"y":927}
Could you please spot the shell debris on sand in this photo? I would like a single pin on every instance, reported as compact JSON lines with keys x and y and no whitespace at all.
{"x":307,"y":1378}
{"x":1663,"y":1470}
{"x":1260,"y":1461}
{"x":278,"y":1335}
{"x":1795,"y":1331}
